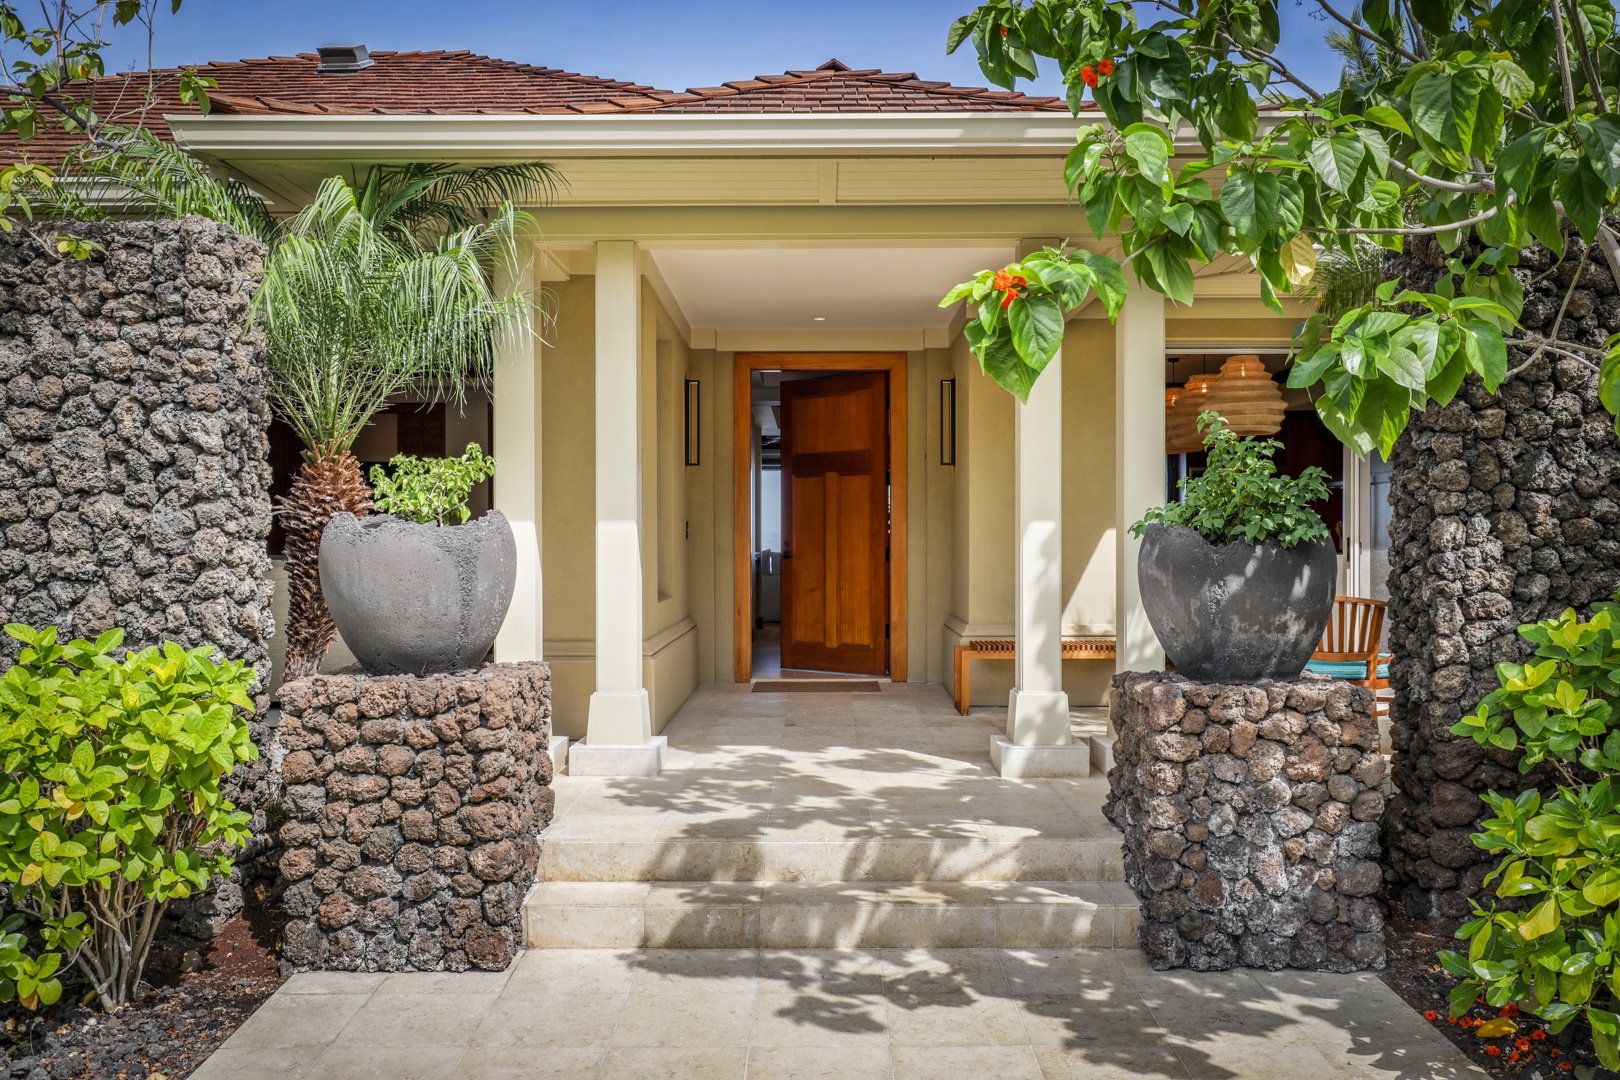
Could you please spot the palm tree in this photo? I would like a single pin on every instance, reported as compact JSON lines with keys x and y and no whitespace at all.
{"x":380,"y":286}
{"x":355,"y":312}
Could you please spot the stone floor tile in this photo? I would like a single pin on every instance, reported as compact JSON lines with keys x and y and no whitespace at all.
{"x":530,"y":1063}
{"x":572,"y":971}
{"x":693,"y":1018}
{"x":1114,"y":1061}
{"x":1214,"y":1057}
{"x":1095,"y":1021}
{"x":402,"y":1061}
{"x":925,"y":973}
{"x":834,"y":971}
{"x":955,"y":1062}
{"x":1065,"y":971}
{"x":819,"y":1063}
{"x":444,"y":982}
{"x":675,"y":1062}
{"x":297,"y":1020}
{"x":954,"y":1019}
{"x":431,"y":1019}
{"x":822,"y":1018}
{"x":687,"y":971}
{"x":285,"y":1063}
{"x":333,"y":982}
{"x":535,"y":1023}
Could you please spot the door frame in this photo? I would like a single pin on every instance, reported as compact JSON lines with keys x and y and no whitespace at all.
{"x":894,"y":365}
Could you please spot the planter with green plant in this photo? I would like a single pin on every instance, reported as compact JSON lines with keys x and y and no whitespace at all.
{"x":416,"y":589}
{"x":110,"y":803}
{"x":1238,"y":577}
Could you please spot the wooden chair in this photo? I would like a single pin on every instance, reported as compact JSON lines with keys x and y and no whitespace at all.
{"x":1349,"y":646}
{"x":1090,"y":648}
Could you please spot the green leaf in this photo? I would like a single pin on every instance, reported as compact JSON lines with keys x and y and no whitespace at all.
{"x":1387,"y":117}
{"x":1149,"y":148}
{"x":1444,"y":105}
{"x":1583,"y":195}
{"x":1249,"y":202}
{"x":1487,"y":353}
{"x":1601,"y":136}
{"x":1037,"y":329}
{"x":1337,"y":160}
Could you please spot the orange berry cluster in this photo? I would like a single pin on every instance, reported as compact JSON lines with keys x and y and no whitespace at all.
{"x":1092,"y":75}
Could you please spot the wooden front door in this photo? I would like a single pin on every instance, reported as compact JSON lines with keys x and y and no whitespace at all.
{"x":835,"y":523}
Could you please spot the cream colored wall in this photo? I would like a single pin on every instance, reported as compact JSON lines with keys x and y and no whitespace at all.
{"x":982,"y":600}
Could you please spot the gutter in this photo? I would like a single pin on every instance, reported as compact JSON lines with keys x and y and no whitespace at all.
{"x":347,"y":137}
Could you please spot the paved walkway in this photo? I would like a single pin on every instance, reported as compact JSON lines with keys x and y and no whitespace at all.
{"x":865,"y":820}
{"x":711,"y":1014}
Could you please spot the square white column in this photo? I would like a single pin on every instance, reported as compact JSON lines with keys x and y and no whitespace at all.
{"x":1139,"y":464}
{"x":516,"y":403}
{"x":618,"y":732}
{"x":1038,"y":741}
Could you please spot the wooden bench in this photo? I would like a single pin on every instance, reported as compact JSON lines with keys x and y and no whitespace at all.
{"x":1087,"y":648}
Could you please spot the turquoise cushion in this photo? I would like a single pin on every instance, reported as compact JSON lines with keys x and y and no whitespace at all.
{"x":1344,"y":669}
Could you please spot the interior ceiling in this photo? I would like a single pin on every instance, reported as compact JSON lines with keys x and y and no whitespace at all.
{"x":888,"y":288}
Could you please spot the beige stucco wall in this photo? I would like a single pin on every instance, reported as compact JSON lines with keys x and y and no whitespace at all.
{"x":983,"y":514}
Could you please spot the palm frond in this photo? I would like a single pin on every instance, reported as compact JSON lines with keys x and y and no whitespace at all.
{"x":354,"y":315}
{"x":431,"y":199}
{"x":149,"y":178}
{"x":1347,"y":280}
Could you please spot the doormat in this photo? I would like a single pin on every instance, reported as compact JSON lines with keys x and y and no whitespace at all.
{"x":817,"y":686}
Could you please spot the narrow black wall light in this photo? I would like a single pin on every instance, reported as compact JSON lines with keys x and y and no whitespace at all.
{"x":694,"y":421}
{"x":947,"y":421}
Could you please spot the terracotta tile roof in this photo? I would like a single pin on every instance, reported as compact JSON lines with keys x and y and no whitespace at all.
{"x":462,"y":83}
{"x":835,"y":87}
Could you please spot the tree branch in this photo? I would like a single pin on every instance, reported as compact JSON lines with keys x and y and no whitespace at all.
{"x":1589,"y":66}
{"x":1563,"y":58}
{"x":1417,"y":31}
{"x":1416,"y":230}
{"x":1368,"y":34}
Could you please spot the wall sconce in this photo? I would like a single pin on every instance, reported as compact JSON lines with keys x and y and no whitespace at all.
{"x":694,"y":421}
{"x":947,"y":421}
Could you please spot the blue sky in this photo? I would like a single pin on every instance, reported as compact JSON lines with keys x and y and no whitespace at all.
{"x":666,"y":43}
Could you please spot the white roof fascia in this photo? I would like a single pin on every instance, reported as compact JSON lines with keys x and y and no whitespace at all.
{"x":685,"y":134}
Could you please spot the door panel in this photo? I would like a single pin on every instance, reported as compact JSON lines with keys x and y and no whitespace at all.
{"x":835,"y":524}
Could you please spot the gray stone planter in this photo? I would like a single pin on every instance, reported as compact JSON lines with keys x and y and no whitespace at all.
{"x":415,"y":599}
{"x":1235,"y":613}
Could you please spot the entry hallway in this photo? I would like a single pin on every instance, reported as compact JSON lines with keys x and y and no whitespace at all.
{"x":869,"y":900}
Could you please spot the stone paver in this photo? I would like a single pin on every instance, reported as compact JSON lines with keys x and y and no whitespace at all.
{"x":901,"y":1014}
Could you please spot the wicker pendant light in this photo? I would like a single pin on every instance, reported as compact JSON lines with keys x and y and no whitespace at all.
{"x":1172,"y":394}
{"x":1181,"y":426}
{"x":1247,"y":397}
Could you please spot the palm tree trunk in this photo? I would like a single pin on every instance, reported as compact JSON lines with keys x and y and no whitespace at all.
{"x":323,"y":488}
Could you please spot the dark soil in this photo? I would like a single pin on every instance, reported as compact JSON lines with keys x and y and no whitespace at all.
{"x":193,"y":1001}
{"x":1528,"y":1053}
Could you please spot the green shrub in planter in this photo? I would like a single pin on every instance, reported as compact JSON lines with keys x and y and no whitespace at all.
{"x":1561,"y":854}
{"x":430,"y":491}
{"x":110,"y":802}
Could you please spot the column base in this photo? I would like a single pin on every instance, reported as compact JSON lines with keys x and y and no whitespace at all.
{"x":1102,"y":753}
{"x":634,"y":759}
{"x":558,"y":749}
{"x":619,"y":718}
{"x":1038,"y":718}
{"x":1016,"y":762}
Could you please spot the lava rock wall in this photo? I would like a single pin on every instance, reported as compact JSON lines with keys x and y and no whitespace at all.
{"x":1505,"y":510}
{"x":1250,"y":815}
{"x":134,"y":457}
{"x":414,"y":805}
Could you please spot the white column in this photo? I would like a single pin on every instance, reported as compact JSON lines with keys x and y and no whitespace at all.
{"x":516,"y":401}
{"x":618,"y":733}
{"x":1038,"y":741}
{"x":1139,"y":464}
{"x":1038,"y":709}
{"x":1357,"y":525}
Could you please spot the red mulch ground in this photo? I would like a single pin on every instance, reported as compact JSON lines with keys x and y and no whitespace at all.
{"x":180,"y":1019}
{"x":1528,"y":1052}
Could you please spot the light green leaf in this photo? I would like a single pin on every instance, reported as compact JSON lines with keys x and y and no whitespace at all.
{"x":1337,"y":160}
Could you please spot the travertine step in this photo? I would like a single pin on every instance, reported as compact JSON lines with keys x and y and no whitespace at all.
{"x":831,"y":915}
{"x":851,"y":860}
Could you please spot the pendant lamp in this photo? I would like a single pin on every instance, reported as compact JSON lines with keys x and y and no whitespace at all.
{"x":1247,"y":397}
{"x":1181,"y":429}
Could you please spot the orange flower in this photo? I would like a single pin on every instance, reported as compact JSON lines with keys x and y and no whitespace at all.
{"x":1007,"y":300}
{"x":1105,"y":67}
{"x":1513,"y":1056}
{"x":1538,"y":1034}
{"x":1555,"y":1051}
{"x":1566,"y":1066}
{"x":1494,"y":1051}
{"x":1451,"y":1019}
{"x":1088,"y":75}
{"x":1521,"y":1043}
{"x":1430,"y":1014}
{"x":1005,"y":31}
{"x":1509,"y":1009}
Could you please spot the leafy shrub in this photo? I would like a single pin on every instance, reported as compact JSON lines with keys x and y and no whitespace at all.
{"x":1241,"y":497}
{"x":429,"y":490}
{"x":1561,"y":854}
{"x":110,"y":802}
